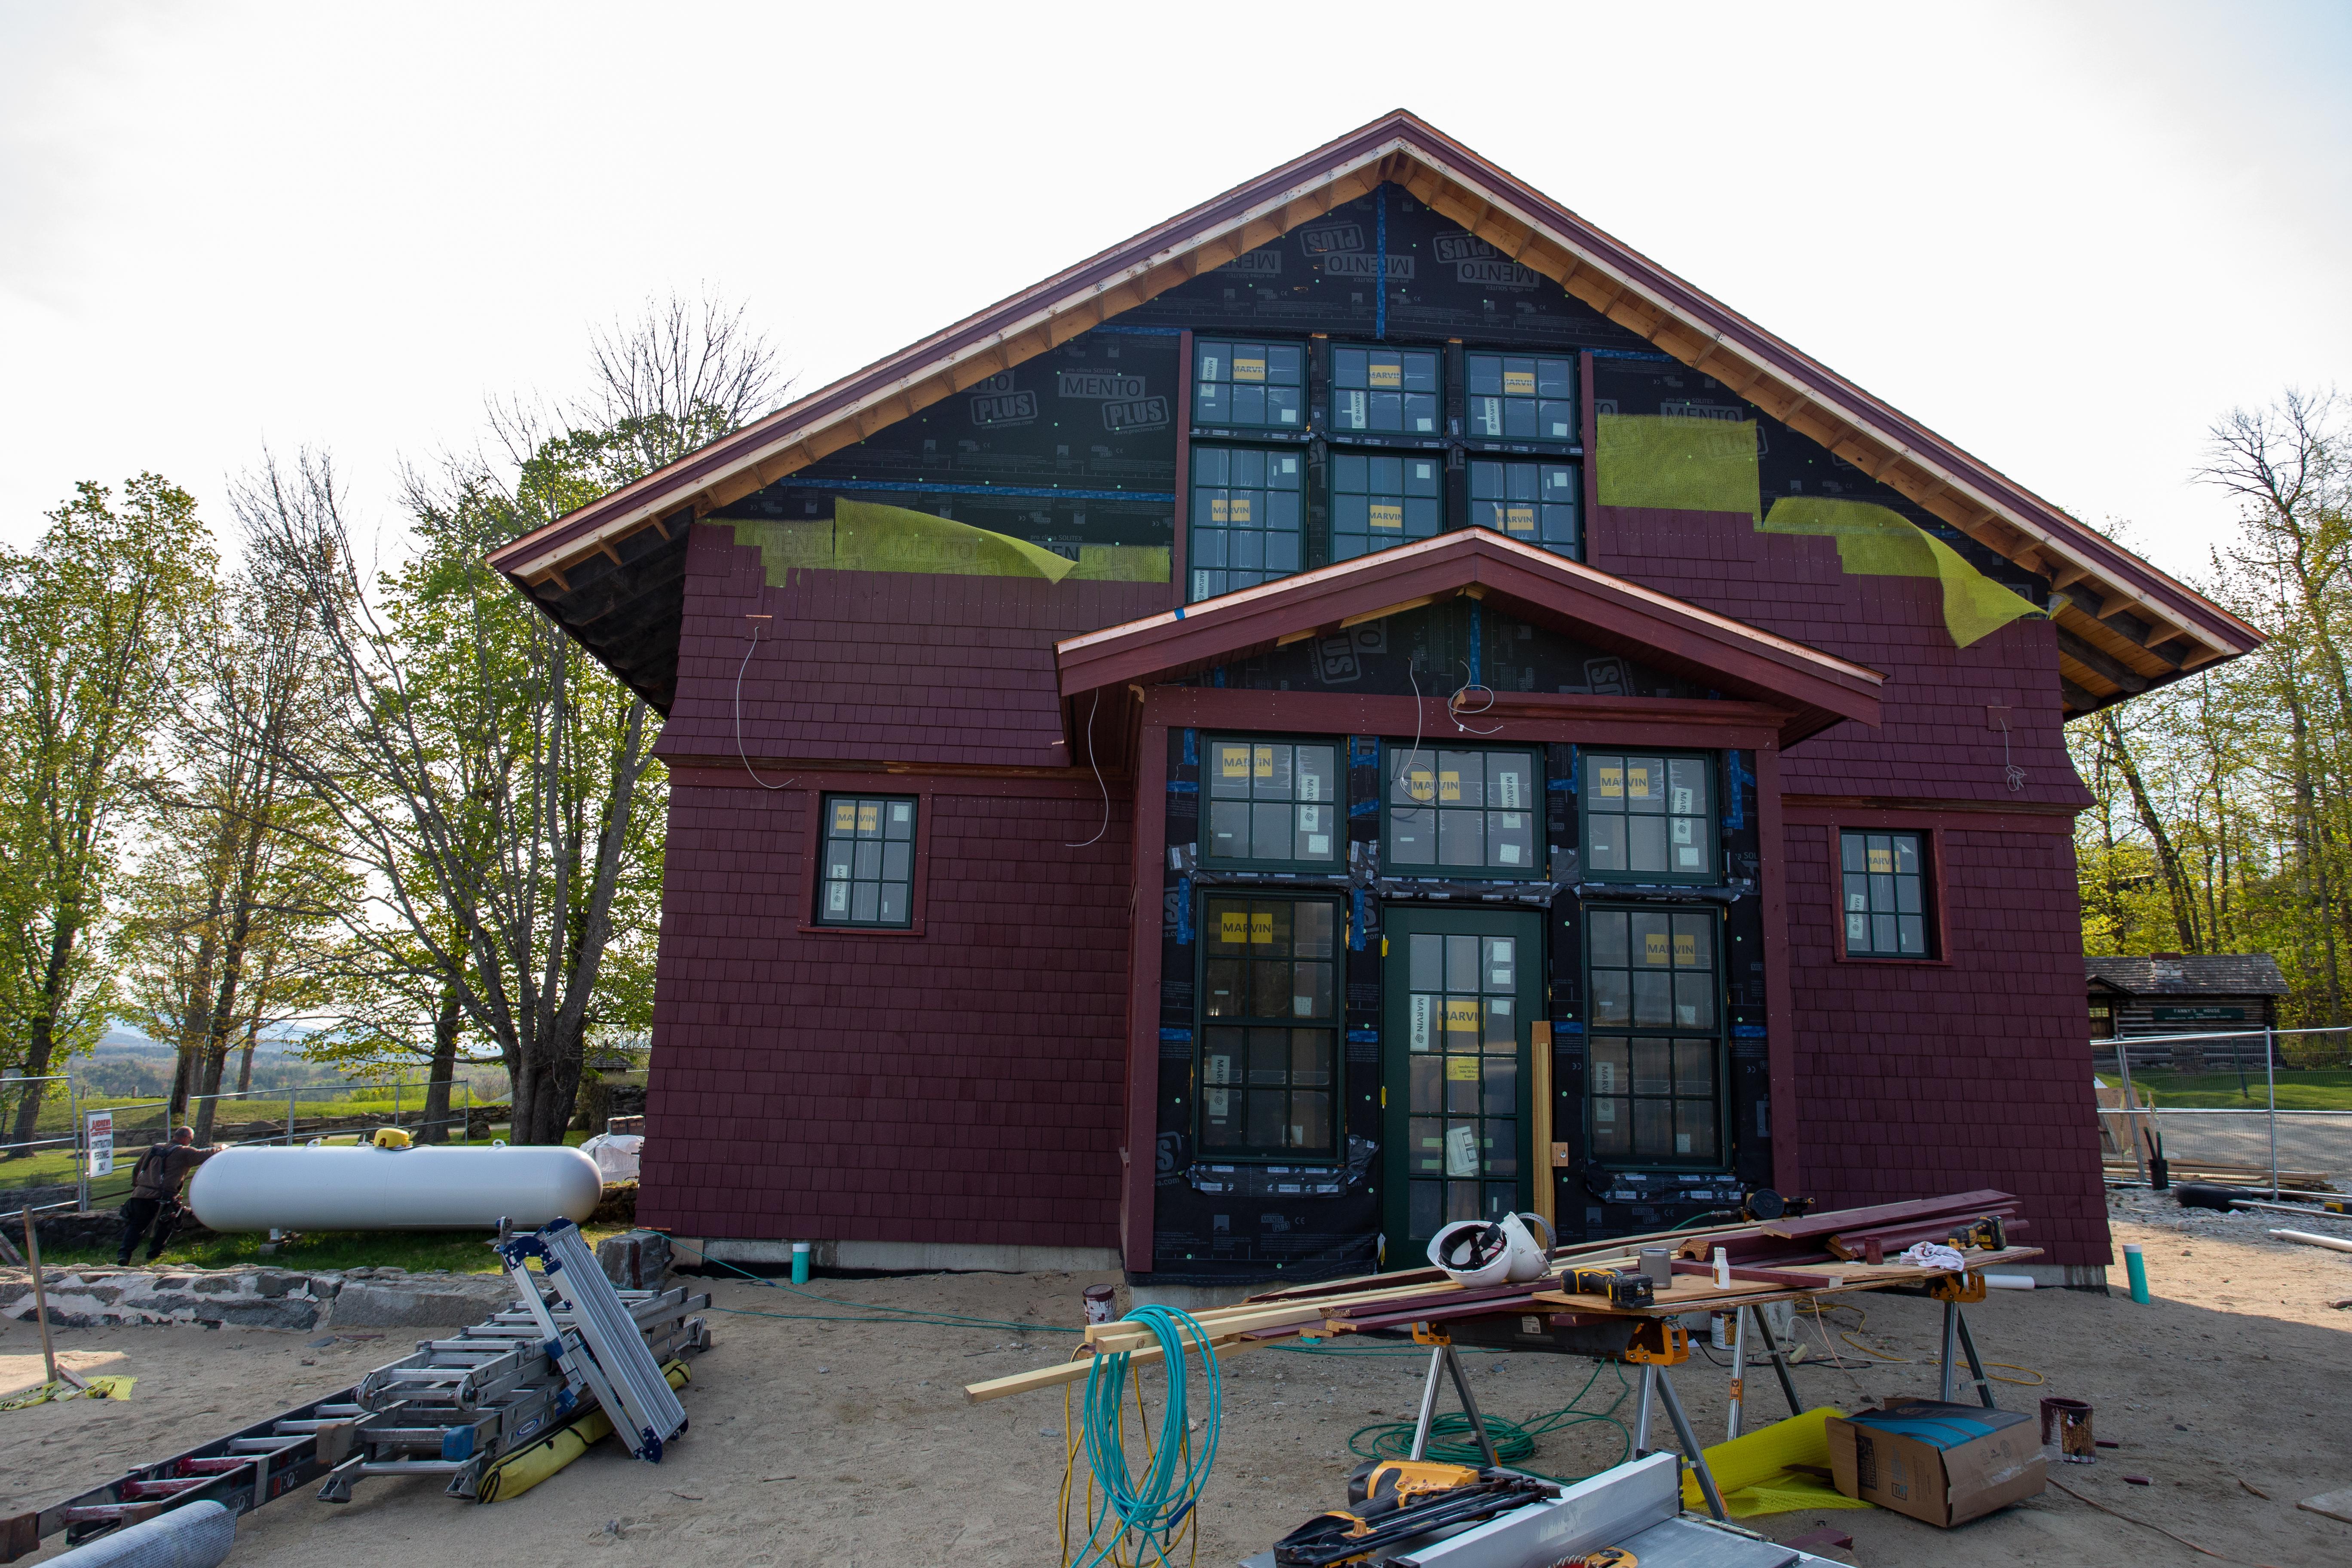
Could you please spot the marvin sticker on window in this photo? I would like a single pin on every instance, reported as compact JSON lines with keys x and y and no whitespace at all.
{"x":1612,"y":784}
{"x":1518,"y":383}
{"x":844,"y":817}
{"x":1461,"y":1151}
{"x":1519,"y":519}
{"x":1232,"y":927}
{"x":1506,"y":795}
{"x":1654,"y":948}
{"x":1220,"y":1069}
{"x":1420,"y":783}
{"x":1683,"y":826}
{"x":1387,"y":377}
{"x":1449,"y":786}
{"x":1604,"y":1110}
{"x":1686,"y":948}
{"x":1461,"y":1015}
{"x":1249,"y":367}
{"x":836,"y":897}
{"x":1387,"y":514}
{"x":1417,"y":1032}
{"x":1264,"y":766}
{"x":1261,"y":928}
{"x":1637,"y":783}
{"x":1683,"y":804}
{"x":1232,"y":761}
{"x":1462,"y":1070}
{"x":1881,"y":861}
{"x":1216,"y":1099}
{"x":1605,"y":1081}
{"x":869,"y":816}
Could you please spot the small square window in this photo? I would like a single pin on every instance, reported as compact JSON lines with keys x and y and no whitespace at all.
{"x":867,"y":875}
{"x":1647,"y":818}
{"x":1274,"y":802}
{"x":1474,"y":812}
{"x":1882,"y":879}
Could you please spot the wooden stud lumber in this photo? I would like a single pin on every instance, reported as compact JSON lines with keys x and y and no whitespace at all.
{"x":1076,"y":1370}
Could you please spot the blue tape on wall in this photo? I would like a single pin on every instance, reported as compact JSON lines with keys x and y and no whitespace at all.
{"x":1364,"y":1036}
{"x":1183,"y":911}
{"x":1356,"y":926}
{"x":1177,"y":1036}
{"x":1192,"y":748}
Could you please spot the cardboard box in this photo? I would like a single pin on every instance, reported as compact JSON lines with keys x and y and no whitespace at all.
{"x":1945,"y":1464}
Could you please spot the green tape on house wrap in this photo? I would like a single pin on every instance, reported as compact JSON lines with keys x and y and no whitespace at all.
{"x":1677,"y":465}
{"x":1874,"y":541}
{"x":1709,"y":464}
{"x":862,"y":536}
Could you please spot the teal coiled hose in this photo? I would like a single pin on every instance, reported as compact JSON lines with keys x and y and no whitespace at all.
{"x":1151,"y":1507}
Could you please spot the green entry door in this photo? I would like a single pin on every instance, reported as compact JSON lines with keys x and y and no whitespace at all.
{"x":1463,"y":988}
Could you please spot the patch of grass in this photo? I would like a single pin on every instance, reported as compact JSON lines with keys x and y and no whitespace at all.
{"x":457,"y":1251}
{"x":2299,"y":1089}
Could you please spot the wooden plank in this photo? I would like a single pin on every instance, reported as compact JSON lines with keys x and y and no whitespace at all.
{"x":1837,"y":1220}
{"x":1076,"y":1370}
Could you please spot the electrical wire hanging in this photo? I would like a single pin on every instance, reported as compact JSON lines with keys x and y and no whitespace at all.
{"x":1454,"y":711}
{"x":756,"y":622}
{"x":1145,"y":1513}
{"x":1412,"y":661}
{"x":1097,"y":764}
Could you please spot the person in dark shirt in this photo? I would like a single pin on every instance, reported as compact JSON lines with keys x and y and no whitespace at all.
{"x":155,"y":1192}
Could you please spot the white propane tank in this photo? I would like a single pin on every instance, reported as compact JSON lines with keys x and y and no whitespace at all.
{"x":365,"y":1188}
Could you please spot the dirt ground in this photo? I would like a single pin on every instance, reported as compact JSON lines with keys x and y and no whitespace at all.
{"x":843,"y":1444}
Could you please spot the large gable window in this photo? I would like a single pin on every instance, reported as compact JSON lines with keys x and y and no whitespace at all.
{"x":1535,"y":503}
{"x":1384,"y":391}
{"x":1249,"y":386}
{"x":1247,"y":517}
{"x":1379,"y":501}
{"x":1521,"y":398}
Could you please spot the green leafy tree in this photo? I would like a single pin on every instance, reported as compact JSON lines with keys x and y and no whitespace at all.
{"x":94,"y":621}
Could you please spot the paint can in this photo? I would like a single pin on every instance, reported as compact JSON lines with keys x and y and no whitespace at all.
{"x":2066,"y":1424}
{"x":1102,"y":1303}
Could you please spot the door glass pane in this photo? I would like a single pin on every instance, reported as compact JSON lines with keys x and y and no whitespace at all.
{"x":1462,"y":964}
{"x":1428,"y":962}
{"x":1426,"y":1207}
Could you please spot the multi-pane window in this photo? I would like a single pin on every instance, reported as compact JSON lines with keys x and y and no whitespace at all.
{"x":1274,"y":802}
{"x":1379,"y":501}
{"x":869,"y":861}
{"x":1513,"y":398}
{"x":1258,"y":385}
{"x":1391,"y":392}
{"x":1655,"y":1062}
{"x":1647,"y":816}
{"x":1269,"y":1037}
{"x":1248,"y":517}
{"x":1475,"y":811}
{"x":1535,"y":503}
{"x":1462,"y":1053}
{"x":1885,"y":895}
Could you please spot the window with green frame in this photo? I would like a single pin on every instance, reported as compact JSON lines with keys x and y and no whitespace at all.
{"x":1248,"y":520}
{"x":1455,"y":812}
{"x":1383,"y":391}
{"x":1269,"y":1026}
{"x":1273,"y":803}
{"x":869,"y":861}
{"x":1379,"y":501}
{"x":1654,"y":1036}
{"x":1239,"y":385}
{"x":1463,"y":1065}
{"x":1647,"y":817}
{"x":1886,"y":879}
{"x":1535,"y":503}
{"x":1514,"y":397}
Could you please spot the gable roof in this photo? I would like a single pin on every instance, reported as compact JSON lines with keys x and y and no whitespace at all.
{"x":1813,"y":689}
{"x":2191,"y":974}
{"x":2123,"y":626}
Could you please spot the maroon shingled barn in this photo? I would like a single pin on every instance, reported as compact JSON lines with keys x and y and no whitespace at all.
{"x":1367,"y":703}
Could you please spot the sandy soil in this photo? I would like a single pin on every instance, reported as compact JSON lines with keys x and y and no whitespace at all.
{"x":843,"y":1444}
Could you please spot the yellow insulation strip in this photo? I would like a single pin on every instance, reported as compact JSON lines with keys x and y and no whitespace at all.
{"x":1874,"y":541}
{"x":526,"y":1468}
{"x":1677,"y":465}
{"x":861,"y":536}
{"x":1753,"y":1474}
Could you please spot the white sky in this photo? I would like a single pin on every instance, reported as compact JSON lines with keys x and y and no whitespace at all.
{"x":2066,"y":237}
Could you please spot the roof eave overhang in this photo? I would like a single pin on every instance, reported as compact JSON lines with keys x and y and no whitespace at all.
{"x":1810,"y":689}
{"x":2123,"y":626}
